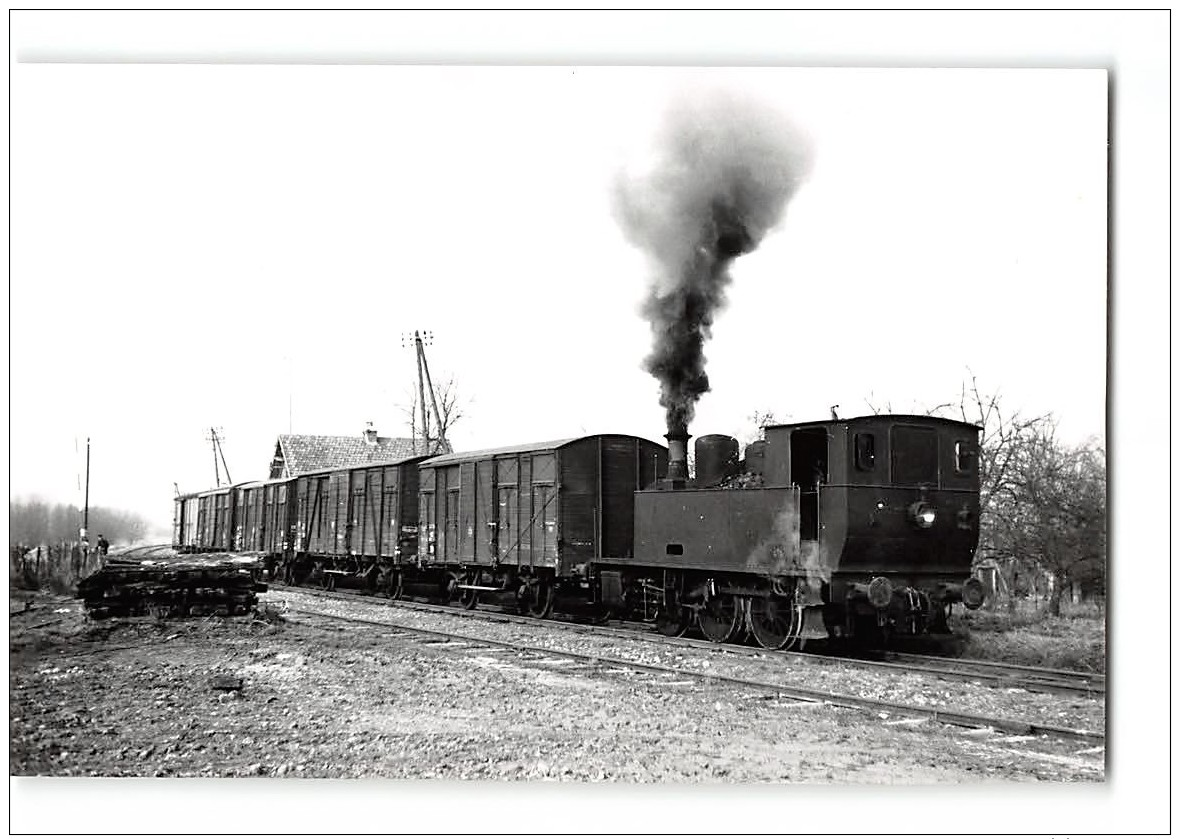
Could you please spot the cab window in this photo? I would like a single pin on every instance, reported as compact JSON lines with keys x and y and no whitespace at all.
{"x":866,"y":452}
{"x":914,"y":450}
{"x":966,"y":457}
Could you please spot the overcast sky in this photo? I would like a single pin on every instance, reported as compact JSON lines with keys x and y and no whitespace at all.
{"x":244,"y":247}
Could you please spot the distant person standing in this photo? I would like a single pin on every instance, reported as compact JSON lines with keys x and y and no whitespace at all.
{"x":103,"y":545}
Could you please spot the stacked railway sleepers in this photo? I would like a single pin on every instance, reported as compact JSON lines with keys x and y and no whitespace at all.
{"x":201,"y":584}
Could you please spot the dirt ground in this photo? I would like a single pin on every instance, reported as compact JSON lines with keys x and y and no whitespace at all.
{"x":158,"y":699}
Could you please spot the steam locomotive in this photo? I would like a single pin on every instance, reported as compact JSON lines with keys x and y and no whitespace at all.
{"x":847,"y":528}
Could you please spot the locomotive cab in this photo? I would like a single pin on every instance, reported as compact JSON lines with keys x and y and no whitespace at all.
{"x":892,"y":504}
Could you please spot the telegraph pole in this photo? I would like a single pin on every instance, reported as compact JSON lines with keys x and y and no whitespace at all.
{"x":433,"y":399}
{"x":221,"y":450}
{"x":86,"y":501}
{"x":419,"y":338}
{"x":215,"y":436}
{"x":422,"y":395}
{"x":216,"y":469}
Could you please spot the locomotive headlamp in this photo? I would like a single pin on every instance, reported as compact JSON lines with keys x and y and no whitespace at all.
{"x":880,"y":592}
{"x":923,"y":514}
{"x":973,"y":593}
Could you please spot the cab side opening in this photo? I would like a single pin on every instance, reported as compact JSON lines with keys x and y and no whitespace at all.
{"x":809,"y":469}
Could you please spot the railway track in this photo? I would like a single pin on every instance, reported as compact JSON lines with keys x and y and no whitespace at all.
{"x":1044,"y":679}
{"x":545,"y":656}
{"x":990,"y":673}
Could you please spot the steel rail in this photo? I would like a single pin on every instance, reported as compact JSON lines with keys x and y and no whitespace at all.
{"x":796,"y":692}
{"x":1000,"y":673}
{"x":956,"y":669}
{"x":893,"y":655}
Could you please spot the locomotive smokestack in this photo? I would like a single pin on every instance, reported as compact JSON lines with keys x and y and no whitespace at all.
{"x":718,"y":181}
{"x":677,"y":457}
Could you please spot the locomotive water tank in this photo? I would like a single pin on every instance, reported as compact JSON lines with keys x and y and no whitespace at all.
{"x":716,"y":459}
{"x":756,"y":457}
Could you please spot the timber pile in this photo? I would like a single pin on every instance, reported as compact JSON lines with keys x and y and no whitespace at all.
{"x":211,"y":584}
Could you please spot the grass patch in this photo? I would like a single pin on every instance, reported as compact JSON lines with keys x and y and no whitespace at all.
{"x":1074,"y":641}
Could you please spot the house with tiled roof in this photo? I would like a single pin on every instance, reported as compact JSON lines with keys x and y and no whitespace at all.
{"x":298,"y":454}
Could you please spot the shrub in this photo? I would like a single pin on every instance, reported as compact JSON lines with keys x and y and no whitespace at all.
{"x":1075,"y":640}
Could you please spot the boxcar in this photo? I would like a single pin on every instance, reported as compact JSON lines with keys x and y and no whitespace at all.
{"x":185,"y":536}
{"x":524,"y":518}
{"x":358,"y":524}
{"x":215,"y":519}
{"x":248,"y":519}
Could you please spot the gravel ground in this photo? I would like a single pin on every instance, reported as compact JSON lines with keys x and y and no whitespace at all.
{"x":137,"y":698}
{"x":920,"y":689}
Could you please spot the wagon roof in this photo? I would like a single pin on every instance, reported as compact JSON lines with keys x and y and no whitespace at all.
{"x":550,"y":445}
{"x":375,"y":464}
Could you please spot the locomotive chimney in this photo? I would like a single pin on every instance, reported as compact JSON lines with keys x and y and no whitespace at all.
{"x":677,"y":457}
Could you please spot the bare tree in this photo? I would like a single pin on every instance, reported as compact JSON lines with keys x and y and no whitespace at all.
{"x":1051,"y":511}
{"x":886,"y":407}
{"x":35,"y":522}
{"x":1005,"y":436}
{"x":758,"y":422}
{"x":1026,"y":479}
{"x":450,"y":411}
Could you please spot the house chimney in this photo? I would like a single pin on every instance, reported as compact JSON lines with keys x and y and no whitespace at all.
{"x":370,"y":434}
{"x":677,"y":458}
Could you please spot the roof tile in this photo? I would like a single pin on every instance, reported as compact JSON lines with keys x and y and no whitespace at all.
{"x":304,"y":453}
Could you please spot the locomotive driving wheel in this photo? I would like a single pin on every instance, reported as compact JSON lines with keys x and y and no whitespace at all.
{"x":775,"y":622}
{"x":672,"y":619}
{"x":720,"y":618}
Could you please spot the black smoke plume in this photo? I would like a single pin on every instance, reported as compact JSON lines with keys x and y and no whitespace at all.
{"x":722,"y":173}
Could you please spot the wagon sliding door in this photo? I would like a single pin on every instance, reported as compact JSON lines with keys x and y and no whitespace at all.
{"x":391,"y":522}
{"x":450,"y":513}
{"x":427,"y":518}
{"x":339,"y":513}
{"x":543,"y":526}
{"x":359,"y":539}
{"x":507,"y":530}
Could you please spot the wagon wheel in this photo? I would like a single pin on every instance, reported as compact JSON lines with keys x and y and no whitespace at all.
{"x":468,"y":597}
{"x":540,"y":598}
{"x":775,"y":622}
{"x":370,"y":576}
{"x":721,"y":618}
{"x":397,"y":585}
{"x":673,"y":619}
